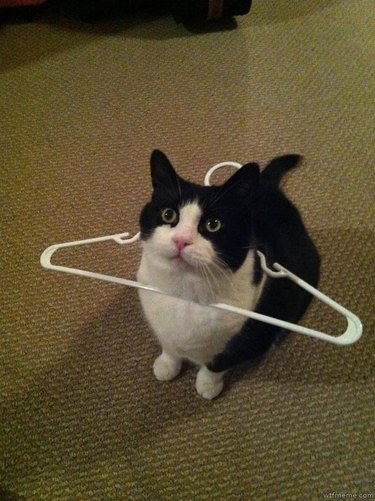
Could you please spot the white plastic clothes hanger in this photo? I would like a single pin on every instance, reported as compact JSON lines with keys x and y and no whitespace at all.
{"x":354,"y":326}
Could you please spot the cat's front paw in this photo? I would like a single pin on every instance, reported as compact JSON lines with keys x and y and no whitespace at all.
{"x":209,"y":384}
{"x":166,"y":368}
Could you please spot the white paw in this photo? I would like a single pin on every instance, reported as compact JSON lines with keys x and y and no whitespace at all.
{"x":166,"y":368}
{"x":209,"y":384}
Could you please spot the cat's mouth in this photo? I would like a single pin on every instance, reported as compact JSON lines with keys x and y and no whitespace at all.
{"x":192,"y":260}
{"x":180,"y":260}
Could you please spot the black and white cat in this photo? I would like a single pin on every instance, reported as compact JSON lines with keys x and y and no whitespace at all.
{"x":199,"y":244}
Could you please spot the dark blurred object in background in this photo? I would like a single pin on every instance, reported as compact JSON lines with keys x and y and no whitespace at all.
{"x":184,"y":11}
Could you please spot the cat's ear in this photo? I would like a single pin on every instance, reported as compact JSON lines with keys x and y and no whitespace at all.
{"x":163,"y":174}
{"x":243,"y":184}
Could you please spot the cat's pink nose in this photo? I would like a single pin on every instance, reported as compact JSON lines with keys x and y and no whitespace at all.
{"x":181,"y":242}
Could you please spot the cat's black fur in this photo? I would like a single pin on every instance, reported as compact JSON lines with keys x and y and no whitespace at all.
{"x":255,"y":214}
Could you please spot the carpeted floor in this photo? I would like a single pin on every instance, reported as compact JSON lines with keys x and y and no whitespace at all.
{"x":81,"y":109}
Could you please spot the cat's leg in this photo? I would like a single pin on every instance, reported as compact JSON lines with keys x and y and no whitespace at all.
{"x":281,"y":299}
{"x":247,"y":346}
{"x":209,"y":384}
{"x":166,"y":367}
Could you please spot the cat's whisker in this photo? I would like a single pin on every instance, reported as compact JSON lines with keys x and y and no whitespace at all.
{"x":207,"y":282}
{"x":212,"y":284}
{"x":212,"y":281}
{"x":219,"y":275}
{"x":224,"y":276}
{"x":221,"y":266}
{"x":208,"y":279}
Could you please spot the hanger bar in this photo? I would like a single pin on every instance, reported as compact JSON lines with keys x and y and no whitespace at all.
{"x":354,"y":326}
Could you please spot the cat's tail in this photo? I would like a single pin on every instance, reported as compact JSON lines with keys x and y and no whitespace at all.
{"x":275,"y":170}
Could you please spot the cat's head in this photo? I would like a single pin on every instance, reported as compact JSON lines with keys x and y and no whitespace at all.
{"x":189,"y":227}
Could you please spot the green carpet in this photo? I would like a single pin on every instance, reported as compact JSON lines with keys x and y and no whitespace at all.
{"x":81,"y":108}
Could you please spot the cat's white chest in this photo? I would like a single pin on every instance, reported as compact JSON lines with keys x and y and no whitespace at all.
{"x":189,"y":330}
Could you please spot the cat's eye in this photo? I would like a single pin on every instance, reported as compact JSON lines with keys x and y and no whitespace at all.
{"x":213,"y":225}
{"x":169,"y":216}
